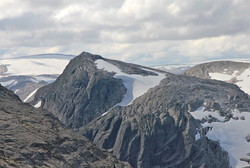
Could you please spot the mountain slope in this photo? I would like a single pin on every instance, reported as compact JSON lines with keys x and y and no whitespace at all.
{"x":24,"y":75}
{"x":86,"y":89}
{"x":158,"y":129}
{"x":147,"y":117}
{"x":34,"y":138}
{"x":228,"y":71}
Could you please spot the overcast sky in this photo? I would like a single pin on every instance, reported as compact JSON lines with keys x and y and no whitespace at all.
{"x":149,"y":32}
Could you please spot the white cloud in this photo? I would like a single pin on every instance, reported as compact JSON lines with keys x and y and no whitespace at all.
{"x":130,"y":30}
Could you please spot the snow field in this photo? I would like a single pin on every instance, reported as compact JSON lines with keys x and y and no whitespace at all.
{"x":136,"y":84}
{"x":34,"y":66}
{"x":230,"y":134}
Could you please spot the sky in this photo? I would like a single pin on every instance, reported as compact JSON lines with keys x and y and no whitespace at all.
{"x":147,"y":32}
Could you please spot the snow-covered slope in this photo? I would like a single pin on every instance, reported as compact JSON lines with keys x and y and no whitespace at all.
{"x":36,"y":65}
{"x":242,"y":79}
{"x":136,"y":84}
{"x":230,"y":132}
{"x":24,"y":75}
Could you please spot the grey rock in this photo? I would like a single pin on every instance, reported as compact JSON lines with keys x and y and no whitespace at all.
{"x":158,"y":131}
{"x":84,"y":92}
{"x":248,"y":138}
{"x":35,"y":138}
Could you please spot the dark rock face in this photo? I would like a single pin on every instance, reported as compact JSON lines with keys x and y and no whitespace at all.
{"x":203,"y":70}
{"x":34,"y":138}
{"x":84,"y":92}
{"x":158,"y":131}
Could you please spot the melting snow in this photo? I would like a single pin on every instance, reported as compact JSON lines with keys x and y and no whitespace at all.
{"x":230,"y":134}
{"x":136,"y":84}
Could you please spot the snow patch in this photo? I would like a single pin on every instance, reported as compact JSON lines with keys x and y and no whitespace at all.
{"x":230,"y":134}
{"x":136,"y":84}
{"x":30,"y":95}
{"x":38,"y":104}
{"x":220,"y":76}
{"x":197,"y":136}
{"x":243,"y":79}
{"x":200,"y":114}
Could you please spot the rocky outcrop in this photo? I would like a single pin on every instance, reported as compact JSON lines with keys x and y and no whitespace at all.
{"x":225,"y":67}
{"x":84,"y":92}
{"x":157,"y":130}
{"x":35,"y":138}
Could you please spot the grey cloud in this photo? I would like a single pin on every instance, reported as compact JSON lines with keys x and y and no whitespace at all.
{"x":27,"y":22}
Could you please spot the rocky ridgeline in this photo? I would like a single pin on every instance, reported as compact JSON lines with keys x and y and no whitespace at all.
{"x":158,"y":131}
{"x":35,"y":138}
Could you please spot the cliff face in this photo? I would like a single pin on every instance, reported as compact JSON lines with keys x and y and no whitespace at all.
{"x":84,"y":91}
{"x":157,"y":130}
{"x":34,"y":138}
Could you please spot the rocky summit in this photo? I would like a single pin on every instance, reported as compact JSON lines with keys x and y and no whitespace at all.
{"x":84,"y":92}
{"x":35,"y":138}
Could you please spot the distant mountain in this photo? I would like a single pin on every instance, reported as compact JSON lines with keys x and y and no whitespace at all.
{"x":24,"y":75}
{"x":174,"y":68}
{"x":35,"y":138}
{"x":148,"y":117}
{"x":229,"y":71}
{"x":182,"y":68}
